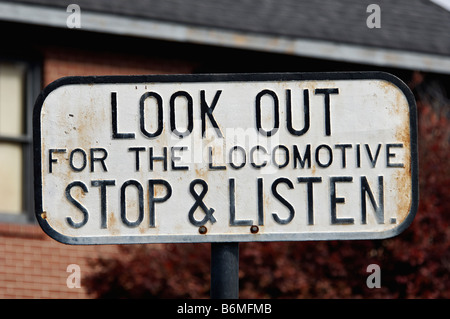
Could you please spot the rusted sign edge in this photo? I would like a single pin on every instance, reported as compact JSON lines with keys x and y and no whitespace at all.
{"x":247,"y":77}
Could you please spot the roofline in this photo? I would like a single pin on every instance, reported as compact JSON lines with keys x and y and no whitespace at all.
{"x":138,"y":27}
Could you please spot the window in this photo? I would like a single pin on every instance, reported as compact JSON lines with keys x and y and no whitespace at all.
{"x":17,"y":80}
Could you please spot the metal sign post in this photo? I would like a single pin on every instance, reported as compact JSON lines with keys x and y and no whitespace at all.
{"x":224,"y":270}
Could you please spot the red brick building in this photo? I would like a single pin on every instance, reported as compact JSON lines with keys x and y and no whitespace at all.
{"x":40,"y":45}
{"x":31,"y":264}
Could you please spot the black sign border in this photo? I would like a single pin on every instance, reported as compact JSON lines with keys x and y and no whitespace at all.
{"x":236,"y":77}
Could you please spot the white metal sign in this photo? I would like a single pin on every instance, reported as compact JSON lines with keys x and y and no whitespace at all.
{"x":225,"y":158}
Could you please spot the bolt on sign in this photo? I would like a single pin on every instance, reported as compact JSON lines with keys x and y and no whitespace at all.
{"x":225,"y":158}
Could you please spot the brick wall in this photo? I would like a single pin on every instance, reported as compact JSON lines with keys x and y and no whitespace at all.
{"x":35,"y":266}
{"x":59,"y":62}
{"x":31,"y":264}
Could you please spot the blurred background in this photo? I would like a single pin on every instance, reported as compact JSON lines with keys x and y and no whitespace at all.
{"x":43,"y":40}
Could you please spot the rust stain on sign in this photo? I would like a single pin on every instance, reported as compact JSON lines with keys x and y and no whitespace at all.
{"x":113,"y":225}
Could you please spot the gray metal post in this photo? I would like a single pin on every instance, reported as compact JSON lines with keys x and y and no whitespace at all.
{"x":224,"y":271}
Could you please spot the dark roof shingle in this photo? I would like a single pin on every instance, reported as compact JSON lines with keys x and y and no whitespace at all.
{"x":410,"y":25}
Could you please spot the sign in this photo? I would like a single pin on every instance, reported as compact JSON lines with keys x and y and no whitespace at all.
{"x":225,"y":158}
